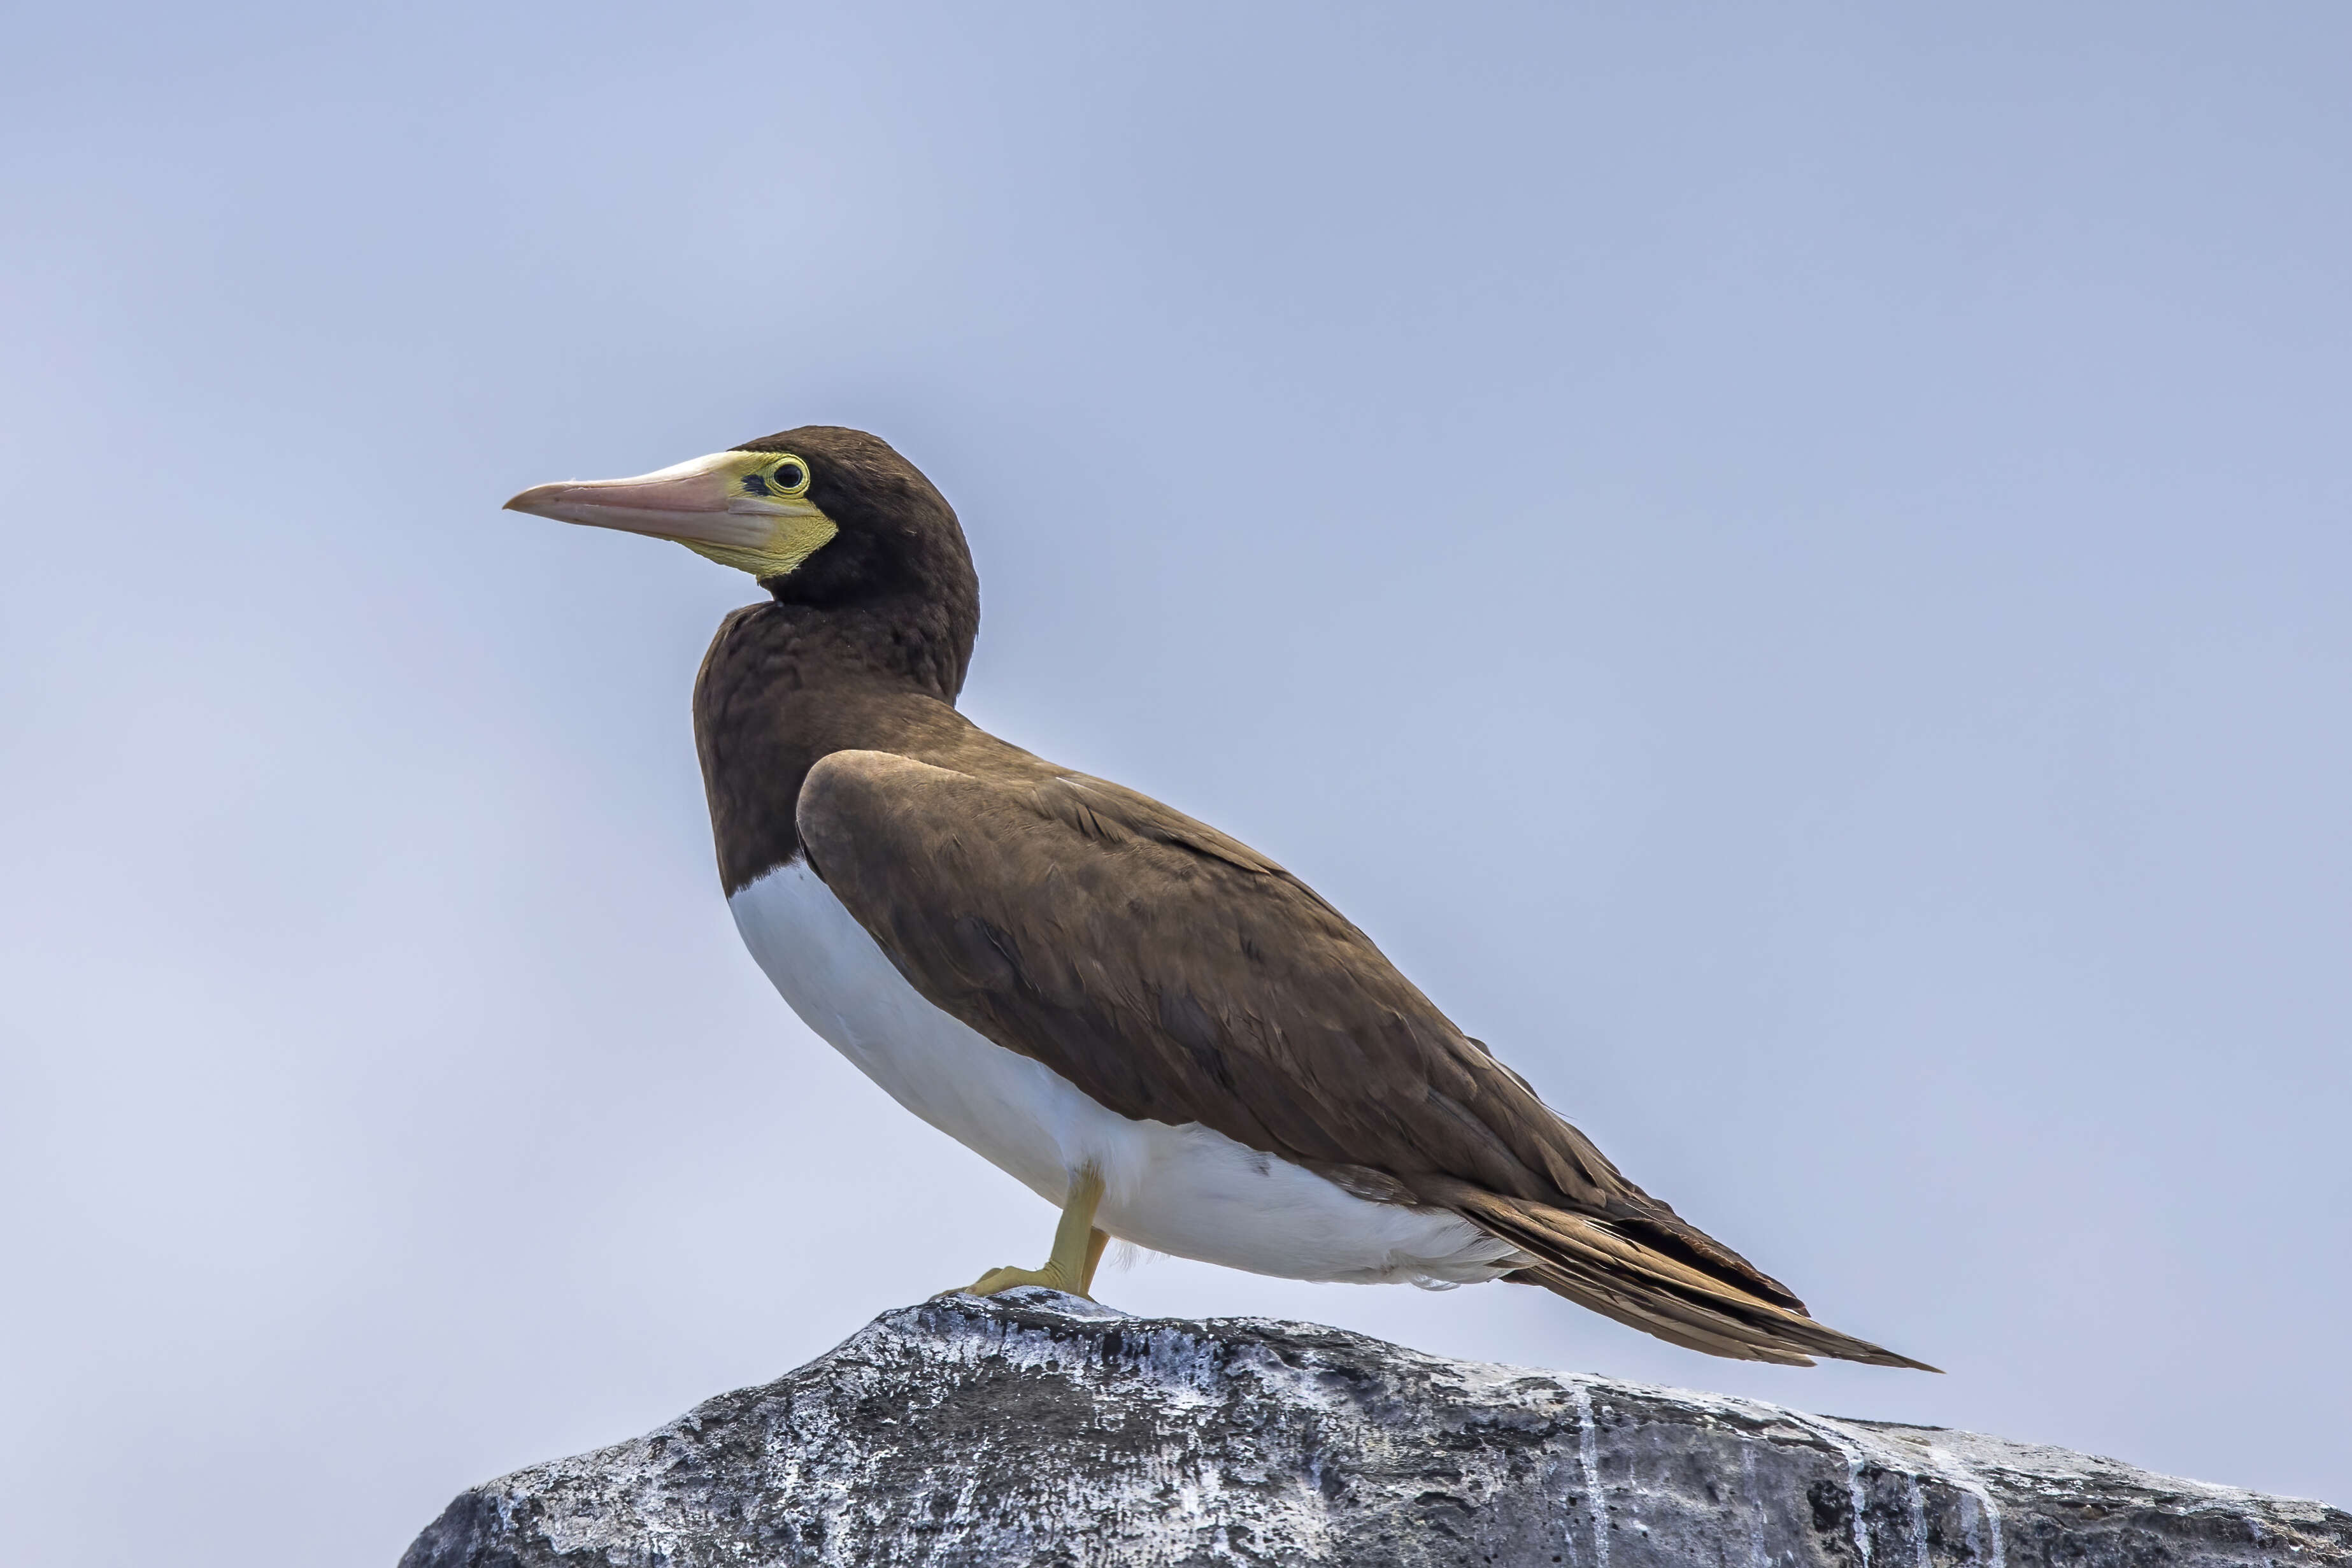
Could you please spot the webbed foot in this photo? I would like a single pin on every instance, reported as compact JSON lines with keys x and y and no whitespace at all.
{"x":1078,"y":1248}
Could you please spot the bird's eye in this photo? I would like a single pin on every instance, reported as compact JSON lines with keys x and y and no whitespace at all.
{"x":790,"y":476}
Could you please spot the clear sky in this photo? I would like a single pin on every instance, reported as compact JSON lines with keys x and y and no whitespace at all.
{"x":1789,"y":563}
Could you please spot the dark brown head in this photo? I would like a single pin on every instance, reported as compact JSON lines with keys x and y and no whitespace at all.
{"x":826,"y":518}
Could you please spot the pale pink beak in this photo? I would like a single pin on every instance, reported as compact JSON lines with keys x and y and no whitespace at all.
{"x":701,"y":499}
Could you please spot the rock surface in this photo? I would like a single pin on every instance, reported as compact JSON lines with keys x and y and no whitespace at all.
{"x":1037,"y":1428}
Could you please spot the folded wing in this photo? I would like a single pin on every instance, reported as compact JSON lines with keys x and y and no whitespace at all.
{"x":1176,"y":975}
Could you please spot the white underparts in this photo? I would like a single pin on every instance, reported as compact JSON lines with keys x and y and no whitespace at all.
{"x":1184,"y":1190}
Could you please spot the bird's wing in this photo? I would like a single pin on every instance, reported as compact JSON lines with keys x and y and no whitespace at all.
{"x":1174,"y":974}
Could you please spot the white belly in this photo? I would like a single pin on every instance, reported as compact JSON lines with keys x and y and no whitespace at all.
{"x":1185,"y":1190}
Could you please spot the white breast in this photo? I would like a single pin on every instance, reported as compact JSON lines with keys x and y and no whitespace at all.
{"x":1185,"y":1190}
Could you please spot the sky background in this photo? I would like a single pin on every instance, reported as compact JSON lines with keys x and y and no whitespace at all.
{"x":1789,"y":563}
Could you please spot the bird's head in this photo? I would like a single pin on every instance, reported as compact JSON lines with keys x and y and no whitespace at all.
{"x":820,"y":515}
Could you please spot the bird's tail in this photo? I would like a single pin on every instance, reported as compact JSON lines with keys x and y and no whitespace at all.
{"x":1654,"y":1271}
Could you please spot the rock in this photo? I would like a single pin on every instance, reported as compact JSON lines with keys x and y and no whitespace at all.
{"x":1038,"y":1428}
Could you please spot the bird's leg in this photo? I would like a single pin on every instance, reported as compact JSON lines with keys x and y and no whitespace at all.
{"x":1096,"y":1241}
{"x":1077,"y":1247}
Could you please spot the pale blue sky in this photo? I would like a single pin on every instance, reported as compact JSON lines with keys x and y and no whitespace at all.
{"x":1791,"y":567}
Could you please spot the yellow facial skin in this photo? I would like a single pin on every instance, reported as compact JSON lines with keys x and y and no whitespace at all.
{"x":798,"y":528}
{"x":749,"y":511}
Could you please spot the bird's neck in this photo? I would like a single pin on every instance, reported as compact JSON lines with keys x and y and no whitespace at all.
{"x":786,"y":685}
{"x":919,"y":640}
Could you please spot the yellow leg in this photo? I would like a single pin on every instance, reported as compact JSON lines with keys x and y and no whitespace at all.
{"x":1077,"y":1247}
{"x":1096,"y":1241}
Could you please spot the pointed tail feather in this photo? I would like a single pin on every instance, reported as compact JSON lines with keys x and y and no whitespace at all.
{"x":1722,"y":1311}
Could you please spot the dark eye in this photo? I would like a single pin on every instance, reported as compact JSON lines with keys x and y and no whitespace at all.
{"x":790,"y":476}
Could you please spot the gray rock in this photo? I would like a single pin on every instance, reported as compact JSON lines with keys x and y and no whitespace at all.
{"x":1037,"y":1428}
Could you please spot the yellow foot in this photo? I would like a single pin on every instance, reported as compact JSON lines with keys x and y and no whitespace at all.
{"x":1077,"y":1247}
{"x":996,"y":1279}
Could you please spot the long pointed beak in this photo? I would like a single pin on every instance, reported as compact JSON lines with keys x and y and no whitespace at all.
{"x":700,"y":502}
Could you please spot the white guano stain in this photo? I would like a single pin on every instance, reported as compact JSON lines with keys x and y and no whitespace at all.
{"x":1974,"y":1496}
{"x":827,"y":1441}
{"x":1861,"y":1505}
{"x":1837,"y":1438}
{"x":1589,"y":1456}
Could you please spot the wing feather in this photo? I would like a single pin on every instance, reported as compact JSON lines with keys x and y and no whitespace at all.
{"x":1175,"y":975}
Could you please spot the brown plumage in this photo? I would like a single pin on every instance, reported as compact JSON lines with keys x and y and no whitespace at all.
{"x":1170,"y":972}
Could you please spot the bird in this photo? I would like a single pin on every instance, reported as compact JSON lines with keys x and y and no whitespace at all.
{"x":1157,"y":1029}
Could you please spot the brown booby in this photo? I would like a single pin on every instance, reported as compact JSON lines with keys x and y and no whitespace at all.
{"x":1149,"y":1024}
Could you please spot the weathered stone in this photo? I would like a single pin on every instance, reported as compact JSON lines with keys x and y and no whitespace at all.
{"x":1036,"y":1428}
